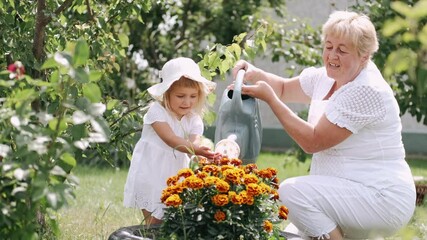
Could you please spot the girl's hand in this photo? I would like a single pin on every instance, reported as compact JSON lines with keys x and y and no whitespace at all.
{"x":252,"y":73}
{"x":206,"y":152}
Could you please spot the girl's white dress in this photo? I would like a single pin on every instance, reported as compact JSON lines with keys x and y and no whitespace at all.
{"x":153,"y":161}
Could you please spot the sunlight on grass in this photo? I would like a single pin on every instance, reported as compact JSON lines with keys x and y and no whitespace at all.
{"x":98,"y":210}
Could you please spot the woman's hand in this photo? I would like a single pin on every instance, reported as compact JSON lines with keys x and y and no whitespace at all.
{"x":252,"y":73}
{"x":260,"y":90}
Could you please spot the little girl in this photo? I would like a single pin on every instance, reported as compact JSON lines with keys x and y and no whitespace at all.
{"x":172,"y":126}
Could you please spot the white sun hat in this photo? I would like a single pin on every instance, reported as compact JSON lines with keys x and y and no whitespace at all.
{"x":173,"y":70}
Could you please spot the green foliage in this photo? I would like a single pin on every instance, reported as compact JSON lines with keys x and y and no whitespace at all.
{"x":87,"y":66}
{"x":42,"y":125}
{"x":186,"y":28}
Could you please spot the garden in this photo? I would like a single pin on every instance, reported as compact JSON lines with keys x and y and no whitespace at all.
{"x":98,"y":211}
{"x":73,"y":80}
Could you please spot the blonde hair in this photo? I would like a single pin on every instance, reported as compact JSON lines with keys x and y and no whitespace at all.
{"x":355,"y":27}
{"x":201,"y":106}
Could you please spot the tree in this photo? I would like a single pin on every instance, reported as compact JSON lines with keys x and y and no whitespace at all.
{"x":68,"y":96}
{"x":52,"y":101}
{"x":402,"y":58}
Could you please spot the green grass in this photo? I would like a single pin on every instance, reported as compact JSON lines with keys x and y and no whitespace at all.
{"x":98,"y":211}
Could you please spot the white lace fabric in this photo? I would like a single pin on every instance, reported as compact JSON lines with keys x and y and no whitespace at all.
{"x":365,"y":106}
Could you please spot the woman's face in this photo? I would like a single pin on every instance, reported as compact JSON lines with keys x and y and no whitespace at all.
{"x":182,"y":100}
{"x":341,"y":59}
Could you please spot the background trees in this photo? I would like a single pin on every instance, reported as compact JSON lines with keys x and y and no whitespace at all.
{"x":402,"y":58}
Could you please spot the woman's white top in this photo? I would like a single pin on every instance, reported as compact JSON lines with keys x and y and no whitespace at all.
{"x":374,"y":154}
{"x":153,"y":161}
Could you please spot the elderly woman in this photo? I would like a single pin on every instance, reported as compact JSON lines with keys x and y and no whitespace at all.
{"x":360,"y":185}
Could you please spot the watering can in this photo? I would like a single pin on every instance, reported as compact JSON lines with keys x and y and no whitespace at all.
{"x":238,"y":122}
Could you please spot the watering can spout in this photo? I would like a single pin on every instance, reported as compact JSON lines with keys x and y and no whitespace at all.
{"x":239,"y":122}
{"x":232,"y":137}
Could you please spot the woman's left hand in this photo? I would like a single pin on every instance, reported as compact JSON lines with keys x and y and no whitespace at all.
{"x":260,"y":90}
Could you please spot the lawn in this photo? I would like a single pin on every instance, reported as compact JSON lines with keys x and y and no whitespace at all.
{"x":97,"y":210}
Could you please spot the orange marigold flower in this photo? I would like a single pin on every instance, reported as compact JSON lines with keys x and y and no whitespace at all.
{"x":219,"y":216}
{"x":250,"y":200}
{"x":193,"y":182}
{"x":253,"y":189}
{"x":222,"y":186}
{"x":232,"y":193}
{"x":172,"y":180}
{"x":244,"y":196}
{"x":235,"y":198}
{"x":220,"y":200}
{"x":224,"y":161}
{"x":233,"y":175}
{"x":202,"y":175}
{"x":283,"y":212}
{"x":284,"y":209}
{"x":210,"y":180}
{"x":268,"y":226}
{"x":275,"y":182}
{"x":212,"y":169}
{"x":236,"y":162}
{"x":251,"y":168}
{"x":265,"y":173}
{"x":165,"y":195}
{"x":174,"y":189}
{"x":226,"y":167}
{"x":173,"y":200}
{"x":273,"y":171}
{"x":250,"y":178}
{"x":265,"y":188}
{"x":185,"y":172}
{"x":275,"y":195}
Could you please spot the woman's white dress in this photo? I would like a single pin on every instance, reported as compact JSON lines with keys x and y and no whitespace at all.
{"x":153,"y":161}
{"x":363,"y":184}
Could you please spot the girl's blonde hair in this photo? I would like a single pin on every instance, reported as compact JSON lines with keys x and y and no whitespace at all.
{"x":201,"y":106}
{"x":355,"y":27}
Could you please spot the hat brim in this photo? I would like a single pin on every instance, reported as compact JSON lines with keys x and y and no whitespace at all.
{"x":157,"y":90}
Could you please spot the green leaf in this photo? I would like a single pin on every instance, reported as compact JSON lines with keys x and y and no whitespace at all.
{"x":419,"y":10}
{"x":68,"y":162}
{"x":49,"y":63}
{"x":124,"y":40}
{"x":53,"y":125}
{"x":239,"y":38}
{"x":81,"y":75}
{"x":92,"y":92}
{"x":78,"y":131}
{"x":401,"y":7}
{"x":24,"y":94}
{"x":422,"y":37}
{"x":95,"y":76}
{"x":7,"y":84}
{"x":81,"y":53}
{"x":38,"y":193}
{"x":54,"y":76}
{"x":111,"y":104}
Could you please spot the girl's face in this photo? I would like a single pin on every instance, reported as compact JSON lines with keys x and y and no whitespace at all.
{"x":182,"y":100}
{"x":342,"y":61}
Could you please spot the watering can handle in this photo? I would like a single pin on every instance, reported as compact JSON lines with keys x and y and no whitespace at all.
{"x":237,"y":92}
